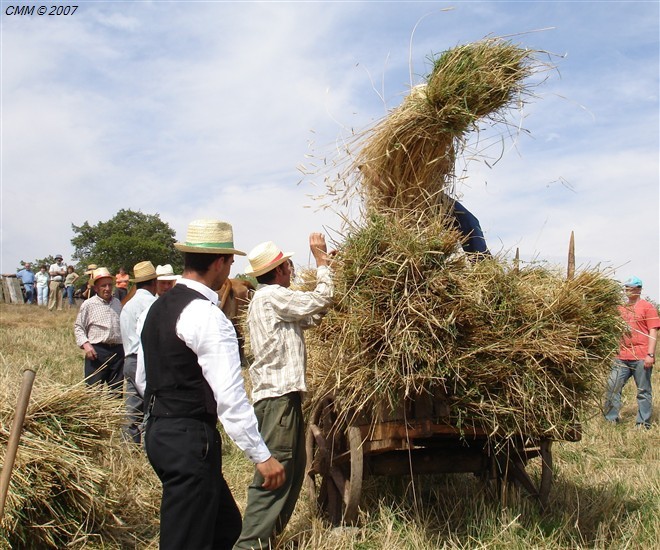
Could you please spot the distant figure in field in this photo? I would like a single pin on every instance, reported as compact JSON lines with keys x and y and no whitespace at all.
{"x":70,"y":279}
{"x":98,"y":334}
{"x":89,"y":289}
{"x":42,"y":279}
{"x":27,"y":276}
{"x":636,"y":355}
{"x":57,"y":273}
{"x":121,"y":284}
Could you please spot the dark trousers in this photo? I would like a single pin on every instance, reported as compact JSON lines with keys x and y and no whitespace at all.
{"x":281,"y":424}
{"x":197,"y":511}
{"x":133,"y":400}
{"x":112,"y":371}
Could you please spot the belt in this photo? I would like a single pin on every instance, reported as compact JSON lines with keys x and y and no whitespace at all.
{"x":103,"y":345}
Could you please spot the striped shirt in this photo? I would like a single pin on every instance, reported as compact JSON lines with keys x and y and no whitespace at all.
{"x":98,"y":322}
{"x":277,"y":317}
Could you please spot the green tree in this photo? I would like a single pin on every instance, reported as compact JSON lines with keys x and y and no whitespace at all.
{"x":126,"y":239}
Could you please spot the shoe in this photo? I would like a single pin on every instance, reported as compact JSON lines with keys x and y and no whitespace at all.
{"x":642,"y":425}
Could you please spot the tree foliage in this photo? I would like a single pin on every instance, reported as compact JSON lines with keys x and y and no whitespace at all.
{"x":126,"y":239}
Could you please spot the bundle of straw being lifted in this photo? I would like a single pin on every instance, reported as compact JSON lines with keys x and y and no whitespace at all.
{"x":514,"y":351}
{"x":407,"y":160}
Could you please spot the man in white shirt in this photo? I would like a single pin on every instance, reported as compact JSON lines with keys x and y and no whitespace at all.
{"x":57,"y":273}
{"x":277,"y":317}
{"x":189,"y":373}
{"x":145,"y":284}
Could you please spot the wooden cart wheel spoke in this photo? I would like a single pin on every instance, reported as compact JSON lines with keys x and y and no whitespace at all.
{"x":334,"y":464}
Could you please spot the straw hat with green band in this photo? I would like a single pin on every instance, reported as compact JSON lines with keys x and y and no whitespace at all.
{"x":209,"y":237}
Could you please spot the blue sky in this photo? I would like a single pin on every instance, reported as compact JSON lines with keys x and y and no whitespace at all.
{"x":208,"y":109}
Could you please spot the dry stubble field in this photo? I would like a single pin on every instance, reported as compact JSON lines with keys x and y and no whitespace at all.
{"x":606,"y":492}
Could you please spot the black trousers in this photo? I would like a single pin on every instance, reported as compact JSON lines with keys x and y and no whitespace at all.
{"x":113,"y":371}
{"x":197,"y":511}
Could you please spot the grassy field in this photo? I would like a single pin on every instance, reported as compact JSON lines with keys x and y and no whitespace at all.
{"x":606,"y":492}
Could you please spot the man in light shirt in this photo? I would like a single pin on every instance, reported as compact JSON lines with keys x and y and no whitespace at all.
{"x":277,"y":317}
{"x":145,"y":295}
{"x":98,"y":334}
{"x":189,"y":373}
{"x":57,"y":273}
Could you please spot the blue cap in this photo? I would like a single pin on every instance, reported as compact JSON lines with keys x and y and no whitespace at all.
{"x":633,"y":281}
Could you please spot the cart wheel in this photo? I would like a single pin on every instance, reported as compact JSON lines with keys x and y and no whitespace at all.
{"x":334,"y":465}
{"x":512,"y":468}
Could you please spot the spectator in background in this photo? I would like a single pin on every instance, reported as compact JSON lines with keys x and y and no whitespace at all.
{"x":145,"y":295}
{"x":636,"y":355}
{"x":121,"y":284}
{"x":166,"y":279}
{"x":89,"y":289}
{"x":98,"y":334}
{"x":26,"y":275}
{"x":42,"y":279}
{"x":69,"y":288}
{"x":57,"y":273}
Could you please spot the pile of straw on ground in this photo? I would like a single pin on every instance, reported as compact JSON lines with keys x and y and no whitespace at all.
{"x":68,"y":484}
{"x":518,"y":351}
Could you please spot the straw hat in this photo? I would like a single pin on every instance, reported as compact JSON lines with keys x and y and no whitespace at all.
{"x":264,"y":257}
{"x":209,"y":237}
{"x":143,"y":271}
{"x":100,"y":273}
{"x":166,"y":273}
{"x":90,"y":269}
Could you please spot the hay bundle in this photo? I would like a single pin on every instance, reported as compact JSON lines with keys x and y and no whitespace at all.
{"x":515,"y":351}
{"x":62,"y":488}
{"x":407,"y":160}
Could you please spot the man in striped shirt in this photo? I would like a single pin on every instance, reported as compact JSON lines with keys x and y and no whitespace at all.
{"x":277,"y":317}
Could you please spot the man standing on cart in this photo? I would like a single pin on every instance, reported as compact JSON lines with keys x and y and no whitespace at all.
{"x":277,"y":317}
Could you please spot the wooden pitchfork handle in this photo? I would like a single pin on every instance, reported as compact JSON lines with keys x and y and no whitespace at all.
{"x":14,"y":436}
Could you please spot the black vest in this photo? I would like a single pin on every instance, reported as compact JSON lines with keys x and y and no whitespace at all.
{"x":175,"y":385}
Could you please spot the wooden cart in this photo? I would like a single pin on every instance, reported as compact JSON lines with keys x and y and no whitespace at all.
{"x":413,"y":440}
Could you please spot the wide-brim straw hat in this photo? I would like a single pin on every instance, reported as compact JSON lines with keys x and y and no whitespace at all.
{"x":91,"y":268}
{"x":166,"y":273}
{"x":264,"y":257}
{"x":143,"y":271}
{"x":100,"y":273}
{"x":209,"y":237}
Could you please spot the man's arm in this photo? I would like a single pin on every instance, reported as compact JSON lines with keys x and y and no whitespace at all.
{"x":649,"y":360}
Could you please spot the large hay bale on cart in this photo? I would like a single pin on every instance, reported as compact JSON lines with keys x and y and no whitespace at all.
{"x":428,"y":352}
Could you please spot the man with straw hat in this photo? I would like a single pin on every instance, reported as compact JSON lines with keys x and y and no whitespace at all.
{"x":98,"y":333}
{"x":145,"y":285}
{"x":189,"y":372}
{"x":636,"y":355}
{"x":277,"y":317}
{"x":166,"y":279}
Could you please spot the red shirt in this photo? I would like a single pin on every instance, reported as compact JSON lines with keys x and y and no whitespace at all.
{"x":121,"y":281}
{"x":641,"y":318}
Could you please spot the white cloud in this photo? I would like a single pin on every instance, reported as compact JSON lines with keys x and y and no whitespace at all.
{"x":191,"y":110}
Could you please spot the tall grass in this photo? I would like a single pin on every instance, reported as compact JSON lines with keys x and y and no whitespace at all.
{"x":606,"y":492}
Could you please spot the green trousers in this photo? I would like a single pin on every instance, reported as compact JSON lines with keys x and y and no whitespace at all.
{"x":282,"y":426}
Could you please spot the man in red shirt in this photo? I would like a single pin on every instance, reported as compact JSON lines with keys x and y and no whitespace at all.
{"x":636,"y":355}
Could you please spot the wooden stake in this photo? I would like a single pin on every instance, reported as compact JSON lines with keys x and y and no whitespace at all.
{"x":570,"y":272}
{"x":14,"y":436}
{"x":516,"y":261}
